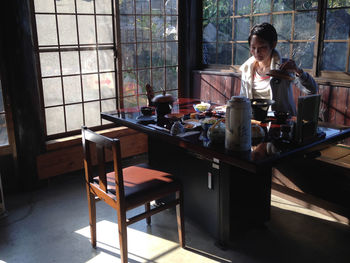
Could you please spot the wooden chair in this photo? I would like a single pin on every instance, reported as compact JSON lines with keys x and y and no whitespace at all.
{"x":125,"y":189}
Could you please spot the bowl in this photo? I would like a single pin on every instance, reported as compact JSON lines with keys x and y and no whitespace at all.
{"x":201,"y":107}
{"x":260,"y":108}
{"x":147,"y":111}
{"x":174,"y":116}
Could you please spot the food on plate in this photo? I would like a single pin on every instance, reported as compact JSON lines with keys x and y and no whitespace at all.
{"x":209,"y":120}
{"x":203,"y":106}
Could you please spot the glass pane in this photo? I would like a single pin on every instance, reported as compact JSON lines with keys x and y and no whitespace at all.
{"x":108,"y":105}
{"x":334,"y":56}
{"x":54,"y":120}
{"x":338,"y":24}
{"x":283,"y":25}
{"x":305,"y":26}
{"x":90,"y":87}
{"x":72,"y":89}
{"x":128,"y":56}
{"x":171,"y":7}
{"x":261,"y":6}
{"x":209,"y":53}
{"x":144,"y":78}
{"x":303,"y":54}
{"x":144,"y":55}
{"x":209,"y":9}
{"x":157,"y":54}
{"x":3,"y":131}
{"x":52,"y":90}
{"x":171,"y":28}
{"x":106,"y":60}
{"x":107,"y":85}
{"x":241,"y":53}
{"x":104,"y":29}
{"x":158,"y":79}
{"x":306,"y":4}
{"x":337,"y":3}
{"x":157,"y":28}
{"x":44,"y":6}
{"x":130,"y":102}
{"x":242,"y":27}
{"x":127,"y":25}
{"x":171,"y":53}
{"x":46,"y":29}
{"x":143,"y":28}
{"x":85,"y":6}
{"x":157,"y":6}
{"x":86,"y":25}
{"x":142,"y":7}
{"x":261,"y":19}
{"x":242,"y":7}
{"x":284,"y":5}
{"x":209,"y":31}
{"x":283,"y":49}
{"x":74,"y":117}
{"x":92,"y":113}
{"x":49,"y":63}
{"x":143,"y":101}
{"x":88,"y":61}
{"x":70,"y":62}
{"x":225,"y":29}
{"x":129,"y":83}
{"x":67,"y":30}
{"x":126,"y":6}
{"x":171,"y":78}
{"x":225,"y":8}
{"x":224,"y":53}
{"x":66,"y":6}
{"x":174,"y":93}
{"x":103,"y":6}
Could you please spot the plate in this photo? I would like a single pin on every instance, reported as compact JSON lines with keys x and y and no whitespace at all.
{"x":191,"y":124}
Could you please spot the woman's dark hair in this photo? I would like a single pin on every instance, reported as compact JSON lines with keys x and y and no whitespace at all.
{"x":265,"y":31}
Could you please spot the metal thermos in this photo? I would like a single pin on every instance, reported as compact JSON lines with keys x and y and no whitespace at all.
{"x":238,"y":124}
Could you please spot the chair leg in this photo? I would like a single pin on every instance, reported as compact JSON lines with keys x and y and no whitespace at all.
{"x":147,"y":209}
{"x":123,"y":241}
{"x":180,"y":219}
{"x":92,"y":216}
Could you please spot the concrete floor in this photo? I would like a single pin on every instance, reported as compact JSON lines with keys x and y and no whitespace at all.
{"x":51,"y":225}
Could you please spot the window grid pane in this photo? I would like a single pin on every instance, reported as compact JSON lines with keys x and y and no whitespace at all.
{"x":295,"y":22}
{"x":76,"y":51}
{"x":149,"y":48}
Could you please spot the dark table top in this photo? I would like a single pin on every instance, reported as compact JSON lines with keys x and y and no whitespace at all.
{"x":248,"y":160}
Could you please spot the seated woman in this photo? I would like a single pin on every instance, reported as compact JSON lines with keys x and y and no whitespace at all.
{"x":256,"y":84}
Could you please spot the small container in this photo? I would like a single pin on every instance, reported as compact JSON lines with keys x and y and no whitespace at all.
{"x":238,"y":124}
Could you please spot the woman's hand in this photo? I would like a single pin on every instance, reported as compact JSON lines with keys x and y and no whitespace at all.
{"x":291,"y":66}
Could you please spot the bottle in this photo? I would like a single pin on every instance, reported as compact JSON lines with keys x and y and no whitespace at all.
{"x":238,"y":124}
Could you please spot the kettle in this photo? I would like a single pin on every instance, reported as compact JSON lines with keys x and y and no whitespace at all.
{"x":238,"y":124}
{"x":163,"y":103}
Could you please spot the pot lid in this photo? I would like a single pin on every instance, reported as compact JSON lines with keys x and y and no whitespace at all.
{"x":163,"y":98}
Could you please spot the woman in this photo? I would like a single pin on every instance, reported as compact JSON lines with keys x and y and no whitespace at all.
{"x":255,"y":82}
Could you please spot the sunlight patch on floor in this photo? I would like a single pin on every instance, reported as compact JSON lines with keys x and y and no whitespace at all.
{"x":287,"y":205}
{"x":142,"y":247}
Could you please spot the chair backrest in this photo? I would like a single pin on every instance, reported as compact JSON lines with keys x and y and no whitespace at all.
{"x":96,"y":145}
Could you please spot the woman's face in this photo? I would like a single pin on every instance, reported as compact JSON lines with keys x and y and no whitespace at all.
{"x":260,"y":48}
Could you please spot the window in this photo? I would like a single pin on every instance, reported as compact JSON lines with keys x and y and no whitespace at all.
{"x":77,"y":43}
{"x":226,"y":26}
{"x":149,"y":45}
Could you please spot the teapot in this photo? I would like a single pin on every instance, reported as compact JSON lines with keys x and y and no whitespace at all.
{"x":163,"y":103}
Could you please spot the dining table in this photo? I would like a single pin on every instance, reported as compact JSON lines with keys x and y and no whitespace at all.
{"x":226,"y":192}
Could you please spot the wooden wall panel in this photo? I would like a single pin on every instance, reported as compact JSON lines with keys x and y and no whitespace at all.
{"x":69,"y":159}
{"x":215,"y":88}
